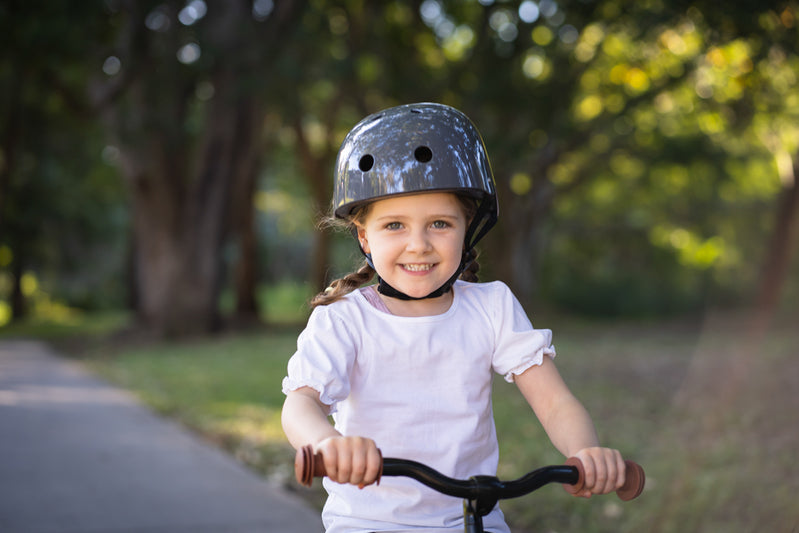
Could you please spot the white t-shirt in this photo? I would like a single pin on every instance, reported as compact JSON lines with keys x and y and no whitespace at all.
{"x":421,"y":388}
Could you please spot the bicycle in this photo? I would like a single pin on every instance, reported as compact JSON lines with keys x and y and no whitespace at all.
{"x":480,"y":493}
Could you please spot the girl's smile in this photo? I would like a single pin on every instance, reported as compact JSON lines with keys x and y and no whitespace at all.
{"x":416,"y":241}
{"x":418,"y":268}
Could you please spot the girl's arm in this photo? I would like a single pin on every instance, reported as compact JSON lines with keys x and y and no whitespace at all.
{"x":353,"y":460}
{"x":570,"y":428}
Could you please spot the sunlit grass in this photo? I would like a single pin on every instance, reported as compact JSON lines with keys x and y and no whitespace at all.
{"x":77,"y":325}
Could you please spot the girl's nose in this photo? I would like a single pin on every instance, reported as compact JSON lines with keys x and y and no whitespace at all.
{"x":418,"y":241}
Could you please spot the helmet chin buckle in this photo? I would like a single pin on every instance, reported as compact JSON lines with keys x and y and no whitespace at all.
{"x":387,"y":290}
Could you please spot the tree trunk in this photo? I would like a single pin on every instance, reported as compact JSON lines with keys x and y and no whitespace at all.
{"x":189,"y":191}
{"x":320,"y":260}
{"x":175,"y":288}
{"x":516,"y":244}
{"x":782,"y":247}
{"x":245,"y":279}
{"x":181,"y":222}
{"x":19,"y":305}
{"x":9,"y":151}
{"x":12,"y":133}
{"x":317,"y":169}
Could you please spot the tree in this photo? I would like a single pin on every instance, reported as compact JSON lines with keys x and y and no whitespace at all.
{"x":497,"y":63}
{"x":667,"y":121}
{"x":58,"y":206}
{"x":182,"y":102}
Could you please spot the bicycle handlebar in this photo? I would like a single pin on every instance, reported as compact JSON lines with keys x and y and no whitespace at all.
{"x":308,"y":465}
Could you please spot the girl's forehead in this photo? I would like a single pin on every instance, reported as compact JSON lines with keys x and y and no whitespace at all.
{"x":416,"y":204}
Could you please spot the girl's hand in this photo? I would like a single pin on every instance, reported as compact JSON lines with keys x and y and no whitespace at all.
{"x":604,"y":471}
{"x":354,"y":460}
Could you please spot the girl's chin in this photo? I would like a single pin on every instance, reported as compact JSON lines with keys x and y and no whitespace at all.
{"x":417,"y":291}
{"x":412,"y":291}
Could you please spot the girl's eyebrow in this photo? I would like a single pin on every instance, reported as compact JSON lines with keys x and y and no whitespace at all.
{"x":403,"y":217}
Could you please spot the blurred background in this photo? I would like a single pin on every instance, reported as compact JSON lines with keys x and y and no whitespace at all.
{"x":165,"y":163}
{"x":171,"y":158}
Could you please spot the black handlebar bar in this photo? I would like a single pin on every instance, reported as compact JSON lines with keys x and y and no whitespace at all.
{"x":307,"y":466}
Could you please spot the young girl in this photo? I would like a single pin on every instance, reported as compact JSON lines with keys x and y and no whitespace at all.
{"x":405,"y":366}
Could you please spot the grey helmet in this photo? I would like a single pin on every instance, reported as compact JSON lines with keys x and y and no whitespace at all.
{"x":417,"y":148}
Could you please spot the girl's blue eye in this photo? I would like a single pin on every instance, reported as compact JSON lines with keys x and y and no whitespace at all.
{"x":393,"y":225}
{"x":440,"y":224}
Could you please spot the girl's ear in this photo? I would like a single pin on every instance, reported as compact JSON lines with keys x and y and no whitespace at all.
{"x":363,"y":240}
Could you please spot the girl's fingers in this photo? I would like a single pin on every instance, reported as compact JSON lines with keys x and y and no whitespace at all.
{"x":621,"y":468}
{"x":334,"y":452}
{"x":604,"y":470}
{"x":615,"y":471}
{"x":344,"y":466}
{"x":359,"y":461}
{"x":330,"y":452}
{"x":354,"y":460}
{"x":605,"y":475}
{"x":590,"y":474}
{"x":374,"y":465}
{"x":607,"y":481}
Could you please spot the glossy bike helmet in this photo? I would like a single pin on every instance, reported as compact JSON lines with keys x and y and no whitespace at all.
{"x":412,"y":149}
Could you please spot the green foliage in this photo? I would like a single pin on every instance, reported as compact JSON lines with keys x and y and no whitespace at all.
{"x":62,"y":207}
{"x":286,"y":303}
{"x":664,"y":131}
{"x":283,"y":304}
{"x":654,"y":127}
{"x":284,"y":215}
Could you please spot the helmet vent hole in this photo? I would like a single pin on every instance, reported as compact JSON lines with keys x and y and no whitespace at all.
{"x":423,"y":154}
{"x":414,"y":110}
{"x":366,"y":163}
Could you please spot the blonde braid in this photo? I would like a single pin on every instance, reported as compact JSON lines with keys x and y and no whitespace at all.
{"x":472,"y":267}
{"x":343,"y":286}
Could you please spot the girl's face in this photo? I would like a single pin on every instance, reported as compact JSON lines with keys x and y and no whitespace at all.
{"x":416,"y":241}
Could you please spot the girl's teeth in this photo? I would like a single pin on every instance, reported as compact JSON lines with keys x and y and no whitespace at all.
{"x":417,"y":268}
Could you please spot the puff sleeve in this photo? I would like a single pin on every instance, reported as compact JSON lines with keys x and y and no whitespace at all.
{"x":326,"y":351}
{"x":518,"y":345}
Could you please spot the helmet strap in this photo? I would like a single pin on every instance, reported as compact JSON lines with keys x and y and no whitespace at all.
{"x":483,"y":220}
{"x":387,"y":290}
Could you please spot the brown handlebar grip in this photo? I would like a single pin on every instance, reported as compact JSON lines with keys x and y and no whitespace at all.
{"x":308,"y":465}
{"x":634,"y":479}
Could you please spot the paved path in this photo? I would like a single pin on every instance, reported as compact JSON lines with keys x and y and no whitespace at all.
{"x":80,"y":456}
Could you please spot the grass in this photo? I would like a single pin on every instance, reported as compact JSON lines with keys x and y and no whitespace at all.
{"x":68,"y":328}
{"x":711,"y":417}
